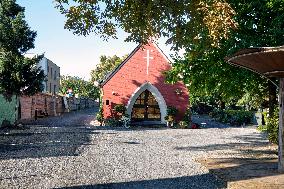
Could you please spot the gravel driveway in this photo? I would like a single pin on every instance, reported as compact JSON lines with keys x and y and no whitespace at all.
{"x":69,"y":152}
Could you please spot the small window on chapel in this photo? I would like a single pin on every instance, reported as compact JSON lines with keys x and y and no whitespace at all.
{"x":107,"y":102}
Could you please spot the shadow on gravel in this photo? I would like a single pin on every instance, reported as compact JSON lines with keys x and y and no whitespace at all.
{"x":38,"y":142}
{"x":260,"y":138}
{"x":256,"y":172}
{"x":65,"y":135}
{"x":196,"y":182}
{"x":245,"y":168}
{"x":245,"y":146}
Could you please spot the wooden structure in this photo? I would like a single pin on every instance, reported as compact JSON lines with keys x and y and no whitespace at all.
{"x":268,"y":61}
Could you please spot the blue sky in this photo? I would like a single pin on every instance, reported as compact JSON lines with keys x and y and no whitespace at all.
{"x":76,"y":55}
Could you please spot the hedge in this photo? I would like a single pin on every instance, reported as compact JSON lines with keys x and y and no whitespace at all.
{"x":233,"y":117}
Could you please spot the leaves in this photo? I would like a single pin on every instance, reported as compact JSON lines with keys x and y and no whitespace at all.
{"x":210,"y":78}
{"x":79,"y":87}
{"x":106,"y":65}
{"x":18,"y":75}
{"x":15,"y":34}
{"x":143,"y":20}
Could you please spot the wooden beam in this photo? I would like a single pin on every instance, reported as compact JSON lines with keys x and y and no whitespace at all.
{"x":281,"y":127}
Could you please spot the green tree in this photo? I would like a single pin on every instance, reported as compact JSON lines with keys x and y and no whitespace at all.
{"x":106,"y":65}
{"x":79,"y":87}
{"x":173,"y":19}
{"x":18,"y":75}
{"x":208,"y":30}
{"x":207,"y":74}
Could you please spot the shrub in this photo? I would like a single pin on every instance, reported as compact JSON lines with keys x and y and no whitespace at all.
{"x":239,"y":117}
{"x":262,"y":128}
{"x":202,"y":108}
{"x":183,"y":125}
{"x":273,"y":127}
{"x":172,"y":111}
{"x":120,"y":108}
{"x":234,"y":117}
{"x":187,"y":116}
{"x":100,"y":116}
{"x":112,"y":122}
{"x":265,"y":117}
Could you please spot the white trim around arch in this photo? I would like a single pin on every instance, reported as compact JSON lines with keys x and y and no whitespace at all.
{"x":156,"y":93}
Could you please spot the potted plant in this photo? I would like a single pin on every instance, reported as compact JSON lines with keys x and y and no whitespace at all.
{"x":171,"y":115}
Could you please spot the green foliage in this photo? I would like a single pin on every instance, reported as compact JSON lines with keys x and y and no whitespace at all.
{"x":262,"y":128}
{"x":100,"y":116}
{"x":106,"y":65}
{"x":79,"y":86}
{"x":187,"y":116}
{"x":273,"y":126}
{"x":18,"y":75}
{"x":204,"y":70}
{"x":172,"y":111}
{"x":201,"y":108}
{"x":143,"y":20}
{"x":171,"y":114}
{"x":120,"y":108}
{"x":183,"y":125}
{"x":234,"y":117}
{"x":112,"y":122}
{"x":265,"y":116}
{"x":16,"y":35}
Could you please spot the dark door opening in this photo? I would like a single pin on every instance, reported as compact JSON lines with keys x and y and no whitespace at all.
{"x":146,"y":108}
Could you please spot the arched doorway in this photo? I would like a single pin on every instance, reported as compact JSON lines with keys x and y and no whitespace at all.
{"x":146,"y":108}
{"x":155,"y":92}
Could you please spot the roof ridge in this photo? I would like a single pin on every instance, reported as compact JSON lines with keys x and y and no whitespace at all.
{"x":117,"y":68}
{"x":112,"y":73}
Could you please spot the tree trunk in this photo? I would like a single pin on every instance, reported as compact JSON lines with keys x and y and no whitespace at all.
{"x":222,"y":105}
{"x":272,"y":96}
{"x":281,"y":130}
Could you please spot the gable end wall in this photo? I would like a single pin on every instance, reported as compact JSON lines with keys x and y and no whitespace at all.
{"x":132,"y":75}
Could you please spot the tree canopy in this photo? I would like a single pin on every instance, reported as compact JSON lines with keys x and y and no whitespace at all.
{"x":106,"y":65}
{"x":79,"y":87}
{"x":205,"y":69}
{"x":18,"y":75}
{"x":173,"y":19}
{"x":208,"y":30}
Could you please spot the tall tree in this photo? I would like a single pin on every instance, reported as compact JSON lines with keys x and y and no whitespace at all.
{"x":205,"y":70}
{"x":18,"y":75}
{"x":173,"y":19}
{"x":106,"y":65}
{"x":79,"y":87}
{"x":209,"y":30}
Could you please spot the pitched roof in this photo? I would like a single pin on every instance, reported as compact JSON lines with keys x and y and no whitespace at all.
{"x":111,"y":74}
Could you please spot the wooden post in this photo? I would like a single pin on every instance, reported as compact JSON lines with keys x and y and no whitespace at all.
{"x":281,"y":123}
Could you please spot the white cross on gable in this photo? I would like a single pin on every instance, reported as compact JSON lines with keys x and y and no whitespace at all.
{"x":148,"y":57}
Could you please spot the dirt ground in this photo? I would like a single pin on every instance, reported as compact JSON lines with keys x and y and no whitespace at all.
{"x":255,"y":169}
{"x":251,"y":164}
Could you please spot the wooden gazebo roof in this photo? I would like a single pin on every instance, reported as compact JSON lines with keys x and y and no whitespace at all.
{"x":268,"y":61}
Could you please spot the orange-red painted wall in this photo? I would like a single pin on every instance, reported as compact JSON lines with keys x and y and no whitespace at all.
{"x":134,"y":73}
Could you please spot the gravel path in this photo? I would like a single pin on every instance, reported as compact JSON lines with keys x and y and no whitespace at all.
{"x":69,"y":152}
